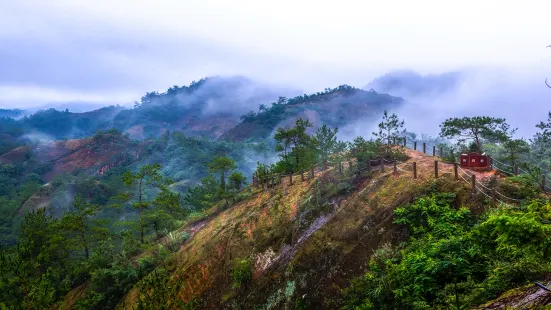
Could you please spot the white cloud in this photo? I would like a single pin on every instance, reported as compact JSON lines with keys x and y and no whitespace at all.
{"x":105,"y":50}
{"x":32,"y":96}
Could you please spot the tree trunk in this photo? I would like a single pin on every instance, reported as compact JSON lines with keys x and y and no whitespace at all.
{"x":86,"y":251}
{"x":478,"y":144}
{"x":156,"y":226}
{"x":27,"y":298}
{"x":140,"y":206}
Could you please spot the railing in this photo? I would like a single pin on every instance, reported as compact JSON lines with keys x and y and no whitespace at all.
{"x":404,"y":167}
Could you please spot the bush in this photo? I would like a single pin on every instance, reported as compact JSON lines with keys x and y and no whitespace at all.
{"x":453,"y":259}
{"x":175,"y":239}
{"x":241,"y":272}
{"x":107,"y":286}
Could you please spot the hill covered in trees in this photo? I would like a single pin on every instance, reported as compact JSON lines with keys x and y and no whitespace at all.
{"x":184,"y":203}
{"x":329,"y":224}
{"x":336,"y":107}
{"x":207,"y":107}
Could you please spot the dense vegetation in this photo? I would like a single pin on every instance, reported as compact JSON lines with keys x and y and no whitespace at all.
{"x":335,"y":106}
{"x":454,"y":258}
{"x":104,"y":234}
{"x":155,"y":112}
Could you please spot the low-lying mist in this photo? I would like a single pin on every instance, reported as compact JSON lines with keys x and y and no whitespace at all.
{"x":519,"y":95}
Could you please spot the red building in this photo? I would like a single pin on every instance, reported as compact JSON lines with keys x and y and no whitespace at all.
{"x":476,"y":160}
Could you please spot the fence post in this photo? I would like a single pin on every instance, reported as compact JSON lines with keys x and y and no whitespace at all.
{"x":415,"y":170}
{"x":395,"y":167}
{"x":273,"y":181}
{"x":415,"y":146}
{"x":404,"y":141}
{"x":325,"y":164}
{"x":455,"y":171}
{"x":290,"y":178}
{"x":436,"y":169}
{"x":494,"y":198}
{"x":312,"y":172}
{"x":382,"y":165}
{"x":543,"y":183}
{"x":280,"y":178}
{"x":369,"y":165}
{"x":263,"y":182}
{"x":433,"y":150}
{"x":393,"y":140}
{"x":302,"y":175}
{"x":515,"y":168}
{"x":424,"y":148}
{"x":473,"y":183}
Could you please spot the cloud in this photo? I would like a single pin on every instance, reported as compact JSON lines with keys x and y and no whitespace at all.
{"x":517,"y":94}
{"x":32,"y":96}
{"x":101,"y":51}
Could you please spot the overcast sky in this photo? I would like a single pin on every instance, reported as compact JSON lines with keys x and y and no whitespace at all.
{"x":114,"y":51}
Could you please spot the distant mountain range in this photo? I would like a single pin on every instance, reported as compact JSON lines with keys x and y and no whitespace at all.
{"x":214,"y":107}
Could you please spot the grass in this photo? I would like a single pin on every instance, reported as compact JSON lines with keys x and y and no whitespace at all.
{"x":320,"y":266}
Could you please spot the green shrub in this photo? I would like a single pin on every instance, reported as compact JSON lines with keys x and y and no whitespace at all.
{"x":107,"y":286}
{"x":241,"y":272}
{"x":453,"y":259}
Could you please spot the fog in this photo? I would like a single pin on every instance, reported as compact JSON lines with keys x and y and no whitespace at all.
{"x":518,"y":95}
{"x":485,"y":58}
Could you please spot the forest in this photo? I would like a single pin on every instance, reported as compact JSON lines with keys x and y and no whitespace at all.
{"x":121,"y":231}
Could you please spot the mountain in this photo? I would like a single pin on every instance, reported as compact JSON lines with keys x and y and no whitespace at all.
{"x":334,"y":240}
{"x":183,"y":202}
{"x":207,"y":107}
{"x":410,"y":84}
{"x":11,"y":113}
{"x":337,"y":107}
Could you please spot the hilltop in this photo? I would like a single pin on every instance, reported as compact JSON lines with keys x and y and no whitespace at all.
{"x":337,"y":107}
{"x":303,"y":244}
{"x":276,"y":212}
{"x":208,"y":107}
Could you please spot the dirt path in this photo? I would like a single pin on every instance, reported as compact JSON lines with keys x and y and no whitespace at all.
{"x":425,"y":166}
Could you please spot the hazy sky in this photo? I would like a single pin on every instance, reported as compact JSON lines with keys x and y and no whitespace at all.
{"x":114,"y":51}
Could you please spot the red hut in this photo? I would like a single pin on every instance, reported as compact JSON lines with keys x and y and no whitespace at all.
{"x":476,"y":161}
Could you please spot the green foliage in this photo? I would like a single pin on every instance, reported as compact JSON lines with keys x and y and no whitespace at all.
{"x":222,"y":165}
{"x":37,"y":271}
{"x":158,"y":290}
{"x":514,"y":149}
{"x":101,"y":134}
{"x":325,"y":141}
{"x":242,"y":272}
{"x":453,"y":259}
{"x":541,"y":146}
{"x":477,"y":128}
{"x":296,"y":147}
{"x":236,"y":180}
{"x":148,"y":175}
{"x":108,"y":285}
{"x":391,"y":130}
{"x":203,"y":196}
{"x":175,"y":239}
{"x":78,"y":223}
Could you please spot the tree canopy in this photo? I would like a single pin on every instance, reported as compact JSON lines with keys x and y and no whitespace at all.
{"x":476,"y":128}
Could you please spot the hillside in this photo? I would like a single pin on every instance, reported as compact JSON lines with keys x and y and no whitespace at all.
{"x":304,"y":243}
{"x":339,"y":107}
{"x":362,"y":233}
{"x":94,"y":155}
{"x":208,"y":107}
{"x":301,"y":252}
